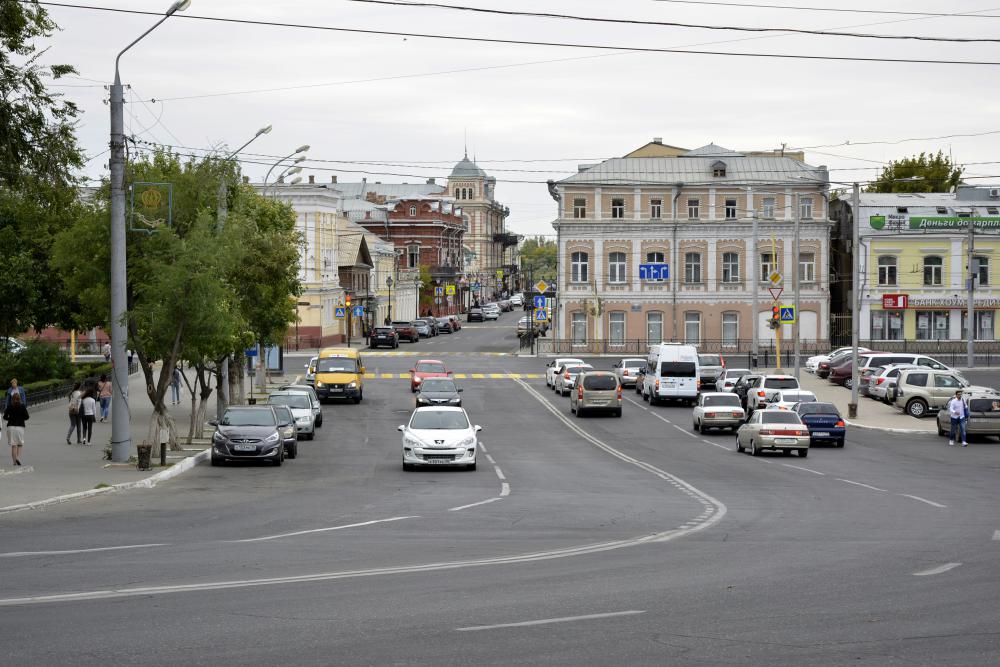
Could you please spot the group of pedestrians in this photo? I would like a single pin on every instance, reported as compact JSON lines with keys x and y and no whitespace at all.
{"x":83,"y":407}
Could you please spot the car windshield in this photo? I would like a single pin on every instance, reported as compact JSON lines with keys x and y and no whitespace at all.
{"x":729,"y":400}
{"x":709,"y":360}
{"x":297,"y":401}
{"x":736,"y":372}
{"x":442,"y":320}
{"x":780,"y":417}
{"x":679,"y":369}
{"x":793,"y":397}
{"x":439,"y":419}
{"x":248,"y":417}
{"x":438,"y":384}
{"x":633,"y":363}
{"x":781,"y":383}
{"x":573,"y":370}
{"x":402,"y":324}
{"x":818,"y":409}
{"x":337,"y":365}
{"x":283,"y":414}
{"x":600,"y":382}
{"x":429,"y":368}
{"x":383,"y":330}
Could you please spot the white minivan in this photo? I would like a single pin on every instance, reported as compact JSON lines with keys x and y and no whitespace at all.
{"x":671,"y":373}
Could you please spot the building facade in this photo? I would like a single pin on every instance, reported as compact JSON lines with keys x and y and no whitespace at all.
{"x":694,"y":212}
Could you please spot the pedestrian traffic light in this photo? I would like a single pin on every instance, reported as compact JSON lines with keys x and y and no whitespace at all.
{"x":775,"y":316}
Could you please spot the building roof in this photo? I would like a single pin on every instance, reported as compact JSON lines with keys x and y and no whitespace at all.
{"x":389,"y":190}
{"x":916,"y":202}
{"x":352,"y":249}
{"x":711,"y":150}
{"x":466,"y":168}
{"x":696,"y":170}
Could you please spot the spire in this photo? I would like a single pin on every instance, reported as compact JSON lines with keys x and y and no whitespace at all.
{"x":465,"y":143}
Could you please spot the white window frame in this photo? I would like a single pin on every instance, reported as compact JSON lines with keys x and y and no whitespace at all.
{"x":694,"y":208}
{"x":887,"y":267}
{"x":692,"y":318}
{"x":730,"y":267}
{"x":655,"y":257}
{"x":767,"y":207}
{"x":579,"y":208}
{"x":655,"y":209}
{"x":616,"y":327}
{"x":983,"y":274}
{"x":413,"y":211}
{"x":936,"y":271}
{"x":805,"y":208}
{"x":985,"y":323}
{"x":654,"y":322}
{"x":886,"y":325}
{"x":692,"y":268}
{"x":618,"y":209}
{"x":807,"y":267}
{"x":579,"y":267}
{"x":617,"y":263}
{"x":730,"y":321}
{"x":578,"y":328}
{"x":767,"y":267}
{"x":732,"y":212}
{"x":413,"y":251}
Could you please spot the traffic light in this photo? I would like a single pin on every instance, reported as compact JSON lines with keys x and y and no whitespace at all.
{"x":347,"y":300}
{"x":775,"y":317}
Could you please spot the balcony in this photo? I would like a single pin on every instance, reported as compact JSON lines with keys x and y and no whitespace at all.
{"x":506,"y":238}
{"x":445,"y":272}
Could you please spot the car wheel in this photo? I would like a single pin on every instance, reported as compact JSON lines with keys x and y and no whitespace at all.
{"x":840,"y":443}
{"x":312,"y":435}
{"x":281,"y":459}
{"x":407,"y":467}
{"x":618,"y":412}
{"x":293,"y":451}
{"x":471,"y":466}
{"x":941,"y":431}
{"x":739,"y":446}
{"x":916,"y":408}
{"x":319,"y":420}
{"x":803,"y":453}
{"x":360,"y":397}
{"x":848,"y":383}
{"x":216,"y":461}
{"x":753,"y":448}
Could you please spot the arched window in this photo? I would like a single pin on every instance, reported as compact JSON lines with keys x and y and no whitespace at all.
{"x":932,"y":270}
{"x":887,"y":270}
{"x":457,"y":193}
{"x":580,"y":267}
{"x":413,"y":211}
{"x":616,"y":267}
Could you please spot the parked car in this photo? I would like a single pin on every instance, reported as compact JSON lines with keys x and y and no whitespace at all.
{"x":627,"y":370}
{"x":475,"y":315}
{"x":247,"y":433}
{"x":879,"y":382}
{"x":439,"y":436}
{"x":383,"y":337}
{"x":594,"y":391}
{"x":716,"y":409}
{"x":841,"y":374}
{"x":726,"y":380}
{"x":445,"y":325}
{"x":431,"y":325}
{"x":308,"y":390}
{"x":984,"y":414}
{"x":423,"y":329}
{"x":812,"y":363}
{"x":823,"y":367}
{"x":492,"y":314}
{"x":709,"y":367}
{"x":823,"y":421}
{"x":744,"y":385}
{"x":553,"y":367}
{"x":920,"y":391}
{"x":427,"y":368}
{"x":773,"y":429}
{"x":302,"y":410}
{"x":567,"y":376}
{"x":786,"y":399}
{"x":438,"y":391}
{"x":406,"y":330}
{"x":286,"y":424}
{"x":517,"y":300}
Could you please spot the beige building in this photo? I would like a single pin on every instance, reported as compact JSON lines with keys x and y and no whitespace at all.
{"x":692,"y":211}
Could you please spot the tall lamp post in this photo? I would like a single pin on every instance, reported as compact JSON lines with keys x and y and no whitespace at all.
{"x":121,"y":427}
{"x":388,"y":283}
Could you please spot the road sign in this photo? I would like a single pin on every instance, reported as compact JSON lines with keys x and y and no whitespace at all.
{"x":541,"y":315}
{"x":499,"y":273}
{"x":449,"y":290}
{"x":438,"y":291}
{"x":541,"y":287}
{"x":358,"y":311}
{"x":250,"y":352}
{"x":539,"y":301}
{"x":475,"y":287}
{"x":658,"y":271}
{"x":775,"y":278}
{"x":787,"y":315}
{"x":340,"y":312}
{"x":775,"y":292}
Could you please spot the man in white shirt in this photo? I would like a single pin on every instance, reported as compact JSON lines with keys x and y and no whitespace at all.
{"x":957,"y":412}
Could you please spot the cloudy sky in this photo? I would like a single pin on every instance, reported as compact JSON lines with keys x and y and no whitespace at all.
{"x":533,"y":112}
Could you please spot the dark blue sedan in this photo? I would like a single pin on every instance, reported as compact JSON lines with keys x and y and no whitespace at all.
{"x":824,"y":422}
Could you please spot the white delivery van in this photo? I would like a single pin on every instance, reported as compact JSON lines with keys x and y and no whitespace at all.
{"x":671,"y":373}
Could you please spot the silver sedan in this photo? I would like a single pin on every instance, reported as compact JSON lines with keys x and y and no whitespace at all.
{"x":773,"y":429}
{"x":717,"y":409}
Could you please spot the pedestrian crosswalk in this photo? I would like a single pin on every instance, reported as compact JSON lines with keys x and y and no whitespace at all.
{"x":462,"y":376}
{"x":431,"y":353}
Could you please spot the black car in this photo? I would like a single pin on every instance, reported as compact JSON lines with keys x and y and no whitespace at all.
{"x":286,"y":423}
{"x":384,"y":336}
{"x":445,"y":325}
{"x":247,"y":433}
{"x":438,"y":391}
{"x":475,"y":315}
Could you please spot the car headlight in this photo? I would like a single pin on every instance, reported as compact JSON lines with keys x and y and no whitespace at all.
{"x":466,"y":442}
{"x":218,"y":437}
{"x":288,"y":432}
{"x":421,"y":399}
{"x":352,"y":385}
{"x":319,"y":385}
{"x":455,"y":400}
{"x":274,"y":437}
{"x":410,"y":441}
{"x":302,"y":420}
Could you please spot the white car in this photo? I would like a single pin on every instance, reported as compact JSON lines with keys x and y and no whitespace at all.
{"x":517,"y":300}
{"x":491,"y":312}
{"x":566,"y":376}
{"x":439,"y":436}
{"x":787,"y":398}
{"x":813,"y":362}
{"x":308,"y":390}
{"x":311,"y":371}
{"x":553,"y":367}
{"x":302,"y":409}
{"x":726,"y":380}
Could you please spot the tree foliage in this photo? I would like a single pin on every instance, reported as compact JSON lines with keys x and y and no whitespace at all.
{"x":934,"y":173}
{"x":538,"y":256}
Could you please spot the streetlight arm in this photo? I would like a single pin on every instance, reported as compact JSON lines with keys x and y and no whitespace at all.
{"x":178,"y":6}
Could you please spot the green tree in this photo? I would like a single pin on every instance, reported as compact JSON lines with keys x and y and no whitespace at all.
{"x":538,"y":256}
{"x":930,"y":173}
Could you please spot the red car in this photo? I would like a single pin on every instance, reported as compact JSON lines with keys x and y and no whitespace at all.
{"x":427,"y":368}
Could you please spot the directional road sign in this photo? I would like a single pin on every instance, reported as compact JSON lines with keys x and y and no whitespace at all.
{"x":658,"y":271}
{"x":787,"y":315}
{"x":340,"y":312}
{"x":541,"y":315}
{"x":358,"y":311}
{"x":539,"y":301}
{"x":541,"y":287}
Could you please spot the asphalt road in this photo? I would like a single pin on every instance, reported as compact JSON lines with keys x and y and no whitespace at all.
{"x":579,"y":541}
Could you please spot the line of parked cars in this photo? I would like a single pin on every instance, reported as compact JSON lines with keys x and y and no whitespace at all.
{"x":412,"y":331}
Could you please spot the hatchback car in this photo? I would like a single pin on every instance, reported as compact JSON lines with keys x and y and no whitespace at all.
{"x":286,"y":424}
{"x":717,"y":409}
{"x":823,"y":421}
{"x":769,"y":385}
{"x":627,"y":370}
{"x":595,"y":391}
{"x":553,"y":367}
{"x":301,"y":408}
{"x":406,"y":330}
{"x":475,"y":315}
{"x":445,"y":325}
{"x":427,"y":368}
{"x":773,"y":429}
{"x":438,"y":391}
{"x":728,"y":377}
{"x":787,"y":398}
{"x":709,"y":367}
{"x":439,"y":436}
{"x":984,"y":414}
{"x":567,"y":376}
{"x":880,"y":382}
{"x":313,"y":396}
{"x":247,"y":433}
{"x":383,"y":337}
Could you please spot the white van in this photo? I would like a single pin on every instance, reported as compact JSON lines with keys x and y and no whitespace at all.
{"x":671,"y":373}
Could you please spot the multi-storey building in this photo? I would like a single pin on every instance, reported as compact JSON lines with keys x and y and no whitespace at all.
{"x":695,"y":212}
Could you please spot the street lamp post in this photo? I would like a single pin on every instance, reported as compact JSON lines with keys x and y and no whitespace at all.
{"x":121,"y":427}
{"x":388,"y":283}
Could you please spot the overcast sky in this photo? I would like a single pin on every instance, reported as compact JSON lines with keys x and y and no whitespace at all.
{"x":536,"y":111}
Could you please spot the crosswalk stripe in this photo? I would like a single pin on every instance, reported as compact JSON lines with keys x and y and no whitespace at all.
{"x":464,"y":376}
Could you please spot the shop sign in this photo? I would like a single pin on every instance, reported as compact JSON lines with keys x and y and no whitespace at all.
{"x":898,"y":222}
{"x":931,"y":302}
{"x":894,"y":301}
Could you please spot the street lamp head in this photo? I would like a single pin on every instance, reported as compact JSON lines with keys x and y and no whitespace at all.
{"x":302,"y":149}
{"x":388,"y":281}
{"x":293,"y":170}
{"x":178,"y":6}
{"x":263,"y":130}
{"x":295,"y":181}
{"x":301,"y":158}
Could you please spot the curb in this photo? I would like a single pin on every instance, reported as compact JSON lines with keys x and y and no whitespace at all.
{"x":885,"y":429}
{"x":147,"y":483}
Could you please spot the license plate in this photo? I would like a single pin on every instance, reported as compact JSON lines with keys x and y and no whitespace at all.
{"x":786,"y":441}
{"x":821,"y":435}
{"x":439,"y":461}
{"x":599,"y":403}
{"x":336,"y":390}
{"x":245,"y":448}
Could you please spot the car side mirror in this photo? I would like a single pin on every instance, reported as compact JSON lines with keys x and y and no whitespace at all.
{"x":478,"y":428}
{"x":213,"y":422}
{"x":362,"y":370}
{"x":460,"y":390}
{"x":400,"y":427}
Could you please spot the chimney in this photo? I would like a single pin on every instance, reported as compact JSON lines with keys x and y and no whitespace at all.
{"x":246,"y":179}
{"x":333,"y":179}
{"x":312,"y":179}
{"x":657,"y":140}
{"x":430,"y":181}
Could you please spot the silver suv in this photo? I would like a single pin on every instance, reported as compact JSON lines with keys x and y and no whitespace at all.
{"x":921,"y":391}
{"x":596,"y":390}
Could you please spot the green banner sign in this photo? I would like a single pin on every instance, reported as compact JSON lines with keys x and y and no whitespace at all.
{"x":898,"y":222}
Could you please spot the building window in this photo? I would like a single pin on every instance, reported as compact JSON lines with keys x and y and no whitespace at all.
{"x":887,"y":325}
{"x":457,"y":193}
{"x":578,"y":328}
{"x":654,"y":257}
{"x":730,"y":209}
{"x":580,"y":267}
{"x":932,"y":324}
{"x":617,"y":207}
{"x":984,"y":325}
{"x":616,"y":328}
{"x":767,"y":266}
{"x":616,"y":267}
{"x":887,"y":270}
{"x":692,"y":328}
{"x":932,"y":270}
{"x":806,"y":208}
{"x":719,"y":169}
{"x":768,"y":208}
{"x":991,"y":210}
{"x":693,"y":205}
{"x":654,"y":327}
{"x":414,"y":256}
{"x":730,"y":328}
{"x":981,"y":267}
{"x":579,"y":208}
{"x":655,"y":208}
{"x":692,"y":267}
{"x":730,"y":267}
{"x":413,"y":211}
{"x":942,"y":210}
{"x":807,"y":267}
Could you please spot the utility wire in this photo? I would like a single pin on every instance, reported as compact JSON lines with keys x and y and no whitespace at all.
{"x":821,"y":9}
{"x":524,"y":42}
{"x":674,"y":24}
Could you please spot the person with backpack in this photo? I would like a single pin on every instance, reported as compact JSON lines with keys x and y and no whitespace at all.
{"x":75,"y":416}
{"x":14,"y":388}
{"x":88,"y":411}
{"x":16,"y":414}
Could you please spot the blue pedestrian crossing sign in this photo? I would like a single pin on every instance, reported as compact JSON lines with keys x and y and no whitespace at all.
{"x":340,"y":312}
{"x":541,"y":315}
{"x":787,"y":315}
{"x":539,"y":302}
{"x":358,"y":311}
{"x":438,"y":291}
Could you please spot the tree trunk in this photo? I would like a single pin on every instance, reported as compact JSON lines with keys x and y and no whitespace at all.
{"x":204,"y":393}
{"x":162,"y":419}
{"x":237,"y":392}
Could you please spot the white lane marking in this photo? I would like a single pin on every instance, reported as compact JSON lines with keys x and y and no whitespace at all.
{"x":815,"y":472}
{"x":716,"y":444}
{"x":482,"y":447}
{"x":867,"y":486}
{"x":504,"y":490}
{"x":683,"y":430}
{"x":937,"y":570}
{"x":547,"y":621}
{"x":481,"y":502}
{"x":490,"y":459}
{"x":323,"y":530}
{"x":924,"y":500}
{"x":16,"y":554}
{"x":499,"y":473}
{"x":996,"y":535}
{"x":17,"y":471}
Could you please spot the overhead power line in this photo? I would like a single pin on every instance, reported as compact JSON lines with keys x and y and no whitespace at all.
{"x":524,"y":42}
{"x":673,"y":24}
{"x":822,"y":9}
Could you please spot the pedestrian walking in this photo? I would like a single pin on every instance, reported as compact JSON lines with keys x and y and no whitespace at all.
{"x":15,"y":414}
{"x":959,"y":413}
{"x":14,"y":388}
{"x":130,"y":355}
{"x":75,"y":416}
{"x":106,"y":351}
{"x":175,"y":386}
{"x":104,"y":395}
{"x":88,"y":409}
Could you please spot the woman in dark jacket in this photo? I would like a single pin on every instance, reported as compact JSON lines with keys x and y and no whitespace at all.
{"x":15,"y":415}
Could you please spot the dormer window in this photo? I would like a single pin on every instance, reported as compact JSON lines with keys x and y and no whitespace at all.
{"x":942,"y":210}
{"x":413,"y":211}
{"x":719,"y":169}
{"x":902,"y":209}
